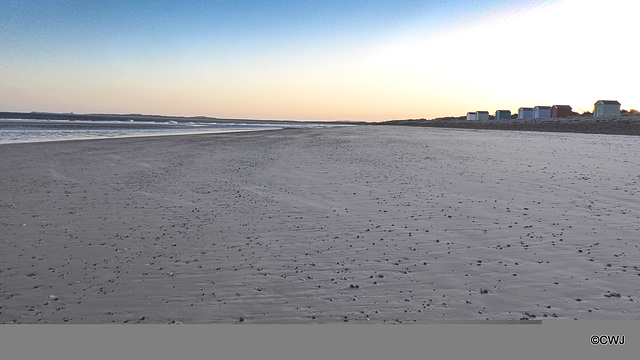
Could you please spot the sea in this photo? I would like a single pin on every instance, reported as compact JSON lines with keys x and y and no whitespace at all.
{"x":40,"y":130}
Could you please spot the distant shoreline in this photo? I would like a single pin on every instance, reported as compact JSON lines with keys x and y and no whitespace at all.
{"x":620,"y":125}
{"x":24,"y":128}
{"x":143,"y":117}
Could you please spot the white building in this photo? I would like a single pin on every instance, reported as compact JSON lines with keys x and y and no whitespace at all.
{"x":471,"y":115}
{"x":482,"y":115}
{"x":606,"y":108}
{"x":525,"y":113}
{"x":542,"y":112}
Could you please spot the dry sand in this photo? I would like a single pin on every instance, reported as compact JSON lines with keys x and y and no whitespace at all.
{"x":364,"y":224}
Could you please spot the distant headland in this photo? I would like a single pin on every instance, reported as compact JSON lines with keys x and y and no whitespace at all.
{"x":142,"y":117}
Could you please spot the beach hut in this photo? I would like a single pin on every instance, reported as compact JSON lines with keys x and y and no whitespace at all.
{"x":525,"y":113}
{"x":542,"y":112}
{"x":606,"y":108}
{"x":503,"y":114}
{"x":558,"y":111}
{"x":471,"y":115}
{"x":482,"y":115}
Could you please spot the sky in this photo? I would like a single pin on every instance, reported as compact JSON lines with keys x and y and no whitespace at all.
{"x":316,"y":60}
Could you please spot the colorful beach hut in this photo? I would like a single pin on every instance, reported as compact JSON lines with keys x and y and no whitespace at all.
{"x":525,"y":113}
{"x":606,"y":108}
{"x":482,"y":115}
{"x":542,"y":112}
{"x":558,"y":111}
{"x":503,"y":114}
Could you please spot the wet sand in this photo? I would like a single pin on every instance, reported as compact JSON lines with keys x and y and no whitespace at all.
{"x":369,"y":224}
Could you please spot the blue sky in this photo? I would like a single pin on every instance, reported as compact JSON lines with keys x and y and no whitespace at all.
{"x":311,"y":60}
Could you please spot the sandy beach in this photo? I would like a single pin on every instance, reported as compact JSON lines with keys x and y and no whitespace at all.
{"x":366,"y":224}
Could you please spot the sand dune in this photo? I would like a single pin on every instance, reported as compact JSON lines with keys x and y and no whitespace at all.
{"x":617,"y":125}
{"x":366,"y":224}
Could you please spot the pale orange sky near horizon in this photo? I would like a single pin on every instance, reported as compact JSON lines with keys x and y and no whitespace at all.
{"x":515,"y":54}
